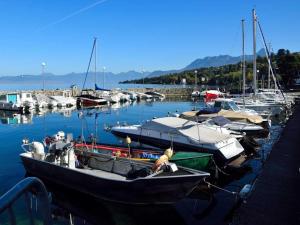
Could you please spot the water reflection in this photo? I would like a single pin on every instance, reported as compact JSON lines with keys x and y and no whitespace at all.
{"x":12,"y":118}
{"x":83,"y":209}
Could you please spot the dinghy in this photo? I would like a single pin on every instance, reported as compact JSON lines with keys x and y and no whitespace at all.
{"x":110,"y":178}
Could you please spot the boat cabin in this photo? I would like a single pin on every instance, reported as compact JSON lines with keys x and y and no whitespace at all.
{"x":13,"y":98}
{"x":226,"y":104}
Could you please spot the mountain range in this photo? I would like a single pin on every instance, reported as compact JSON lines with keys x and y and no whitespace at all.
{"x":209,"y":61}
{"x":115,"y":78}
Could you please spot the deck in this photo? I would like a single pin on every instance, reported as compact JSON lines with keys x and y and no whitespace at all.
{"x":276,"y":195}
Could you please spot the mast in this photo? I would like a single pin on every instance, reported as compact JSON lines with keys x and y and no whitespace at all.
{"x":244,"y":60}
{"x":90,"y":60}
{"x":95,"y":62}
{"x":254,"y":52}
{"x":269,"y":69}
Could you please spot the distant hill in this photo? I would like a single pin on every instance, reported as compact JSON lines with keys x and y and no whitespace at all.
{"x":72,"y":78}
{"x":209,"y":61}
{"x":114,"y":78}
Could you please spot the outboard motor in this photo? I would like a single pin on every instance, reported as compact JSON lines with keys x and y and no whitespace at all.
{"x":37,"y":149}
{"x":60,"y":136}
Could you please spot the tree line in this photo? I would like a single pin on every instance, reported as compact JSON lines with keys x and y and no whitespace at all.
{"x":285,"y":65}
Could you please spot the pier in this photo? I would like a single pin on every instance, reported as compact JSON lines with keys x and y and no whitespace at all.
{"x":275,"y":198}
{"x":172,"y":92}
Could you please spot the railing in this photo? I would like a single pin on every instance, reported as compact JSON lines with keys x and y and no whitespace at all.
{"x":24,"y":187}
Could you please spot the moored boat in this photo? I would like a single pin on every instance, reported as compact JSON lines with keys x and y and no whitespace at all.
{"x":193,"y":160}
{"x":184,"y":135}
{"x":110,"y":178}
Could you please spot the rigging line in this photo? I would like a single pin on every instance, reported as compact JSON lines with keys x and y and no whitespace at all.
{"x":270,"y":63}
{"x":88,"y":69}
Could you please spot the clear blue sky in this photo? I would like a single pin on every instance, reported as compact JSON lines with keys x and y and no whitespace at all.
{"x":134,"y":34}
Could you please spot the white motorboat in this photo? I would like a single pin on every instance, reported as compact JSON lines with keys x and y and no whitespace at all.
{"x":143,"y":96}
{"x":155,"y":95}
{"x":195,"y":94}
{"x":64,"y":100}
{"x":132,"y":95}
{"x":237,"y":126}
{"x":42,"y":101}
{"x":14,"y":101}
{"x":183,"y":135}
{"x":261,"y":107}
{"x":229,"y":104}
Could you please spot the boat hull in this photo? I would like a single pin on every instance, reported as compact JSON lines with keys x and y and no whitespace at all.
{"x":193,"y":160}
{"x":177,"y":146}
{"x":156,"y":190}
{"x":86,"y":102}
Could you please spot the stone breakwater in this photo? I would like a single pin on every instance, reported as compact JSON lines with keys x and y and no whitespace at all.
{"x":169,"y":92}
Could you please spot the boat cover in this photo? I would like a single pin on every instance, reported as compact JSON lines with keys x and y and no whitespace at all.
{"x":240,"y":116}
{"x":196,"y":132}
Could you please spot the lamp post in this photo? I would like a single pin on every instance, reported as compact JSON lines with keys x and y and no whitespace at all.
{"x":104,"y":68}
{"x":43,"y":74}
{"x":196,"y":77}
{"x":143,"y":77}
{"x":257,"y":77}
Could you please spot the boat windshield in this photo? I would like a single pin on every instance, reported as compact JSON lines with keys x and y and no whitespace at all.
{"x":230,"y":106}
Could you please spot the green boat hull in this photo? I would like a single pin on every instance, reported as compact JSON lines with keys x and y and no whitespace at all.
{"x":193,"y":160}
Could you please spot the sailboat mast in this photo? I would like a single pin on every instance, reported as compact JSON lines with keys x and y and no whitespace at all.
{"x":269,"y":69}
{"x":254,"y":52}
{"x":244,"y":60}
{"x":95,"y":63}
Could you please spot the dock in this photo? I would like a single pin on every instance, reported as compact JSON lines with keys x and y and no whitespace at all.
{"x":276,"y":195}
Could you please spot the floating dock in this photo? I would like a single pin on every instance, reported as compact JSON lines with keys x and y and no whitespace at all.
{"x":276,"y":195}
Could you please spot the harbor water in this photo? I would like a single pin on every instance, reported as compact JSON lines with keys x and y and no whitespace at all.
{"x":214,"y":207}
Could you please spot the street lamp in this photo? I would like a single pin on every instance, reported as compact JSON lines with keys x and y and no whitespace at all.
{"x":196,"y":77}
{"x":104,"y":68}
{"x":143,"y":76}
{"x":43,"y":74}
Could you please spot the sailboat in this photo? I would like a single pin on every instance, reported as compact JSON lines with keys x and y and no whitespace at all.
{"x":259,"y":101}
{"x":89,"y":98}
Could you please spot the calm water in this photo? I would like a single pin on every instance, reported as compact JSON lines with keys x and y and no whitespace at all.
{"x":84,"y":210}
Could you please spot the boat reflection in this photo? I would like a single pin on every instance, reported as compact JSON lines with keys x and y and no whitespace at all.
{"x":9,"y":117}
{"x":64,"y":111}
{"x":72,"y":207}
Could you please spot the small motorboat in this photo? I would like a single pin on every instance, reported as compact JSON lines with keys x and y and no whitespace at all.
{"x":238,"y":116}
{"x":155,"y":95}
{"x":194,"y":160}
{"x":108,"y":177}
{"x":183,"y":135}
{"x":87,"y":100}
{"x":237,"y":126}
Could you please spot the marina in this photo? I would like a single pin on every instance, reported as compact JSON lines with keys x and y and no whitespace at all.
{"x":119,"y":129}
{"x":136,"y":112}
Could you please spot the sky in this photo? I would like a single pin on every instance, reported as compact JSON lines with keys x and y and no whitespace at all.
{"x":135,"y":34}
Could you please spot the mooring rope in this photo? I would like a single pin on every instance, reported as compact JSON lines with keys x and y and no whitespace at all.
{"x":219,"y":188}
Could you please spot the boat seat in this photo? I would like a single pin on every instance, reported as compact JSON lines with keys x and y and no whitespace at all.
{"x":105,"y":164}
{"x":113,"y":165}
